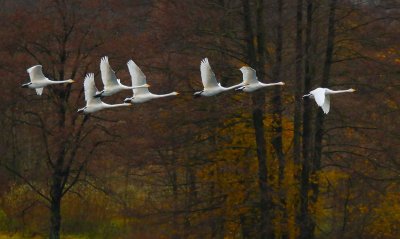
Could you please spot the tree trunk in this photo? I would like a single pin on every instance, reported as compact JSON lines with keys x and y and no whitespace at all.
{"x":258,"y":100}
{"x":316,"y":165}
{"x":298,"y":104}
{"x":55,"y":207}
{"x":298,"y":84}
{"x":306,"y":230}
{"x":277,"y":141}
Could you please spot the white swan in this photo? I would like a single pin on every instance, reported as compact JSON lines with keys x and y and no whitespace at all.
{"x":112,"y":85}
{"x":251,"y":82}
{"x":322,"y":97}
{"x":94,"y":104}
{"x":38,"y":80}
{"x":141,"y":95}
{"x":210,"y":84}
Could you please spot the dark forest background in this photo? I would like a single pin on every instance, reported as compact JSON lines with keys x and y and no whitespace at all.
{"x":260,"y":165}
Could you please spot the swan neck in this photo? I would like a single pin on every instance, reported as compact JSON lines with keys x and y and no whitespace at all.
{"x":331,"y":92}
{"x":117,"y":105}
{"x":234,"y":86}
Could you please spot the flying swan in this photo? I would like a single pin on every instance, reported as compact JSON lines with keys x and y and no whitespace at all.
{"x":250,"y":81}
{"x":112,"y":85}
{"x":38,"y":80}
{"x":141,"y":95}
{"x":210,"y":84}
{"x":322,"y":97}
{"x":94,"y":104}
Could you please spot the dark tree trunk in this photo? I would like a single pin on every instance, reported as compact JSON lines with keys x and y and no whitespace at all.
{"x":277,"y":141}
{"x":298,"y":105}
{"x":277,"y":99}
{"x":266,"y":230}
{"x":306,"y":230}
{"x":319,"y":125}
{"x":175,"y":216}
{"x":298,"y":84}
{"x":55,"y":206}
{"x":258,"y":100}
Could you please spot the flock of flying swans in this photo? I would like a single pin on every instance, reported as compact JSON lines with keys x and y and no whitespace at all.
{"x":141,"y":93}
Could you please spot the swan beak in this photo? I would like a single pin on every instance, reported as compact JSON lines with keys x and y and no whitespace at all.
{"x":177,"y":93}
{"x":282,"y":83}
{"x":72,"y":81}
{"x":147,"y":85}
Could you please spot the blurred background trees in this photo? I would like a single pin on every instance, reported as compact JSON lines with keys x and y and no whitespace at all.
{"x":262,"y":165}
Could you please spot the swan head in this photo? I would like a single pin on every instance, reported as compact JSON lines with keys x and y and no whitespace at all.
{"x":70,"y":81}
{"x":352,"y":90}
{"x":175,"y":93}
{"x":281,"y":83}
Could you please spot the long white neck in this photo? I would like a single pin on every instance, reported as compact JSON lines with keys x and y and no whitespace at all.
{"x":233,"y":87}
{"x":116,"y":105}
{"x":59,"y":82}
{"x":136,"y":87}
{"x":164,"y":95}
{"x":331,"y":92}
{"x":271,"y":84}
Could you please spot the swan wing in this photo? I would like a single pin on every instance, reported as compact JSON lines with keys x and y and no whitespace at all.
{"x":207,"y":75}
{"x":138,"y":78}
{"x":39,"y":91}
{"x":249,"y":75}
{"x":107,"y":74}
{"x":90,"y":90}
{"x":319,"y":95}
{"x":327,"y":104}
{"x":36,"y":73}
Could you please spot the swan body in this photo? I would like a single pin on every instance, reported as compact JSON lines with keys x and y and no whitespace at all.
{"x":94,"y":104}
{"x":322,"y":97}
{"x":39,"y":81}
{"x":111,"y":83}
{"x":210,"y":84}
{"x":141,"y":95}
{"x":250,"y":81}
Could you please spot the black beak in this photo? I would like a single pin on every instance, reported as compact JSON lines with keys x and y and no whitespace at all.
{"x":127,"y":101}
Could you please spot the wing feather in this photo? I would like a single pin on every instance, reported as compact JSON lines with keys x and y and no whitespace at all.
{"x":207,"y":75}
{"x":138,"y":78}
{"x":39,"y":91}
{"x":327,"y":104}
{"x":319,"y":95}
{"x":249,"y":75}
{"x":107,"y":74}
{"x":36,"y":73}
{"x":90,"y":89}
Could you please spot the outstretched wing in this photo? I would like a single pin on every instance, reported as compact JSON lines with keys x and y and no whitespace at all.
{"x":39,"y":91}
{"x":319,"y":95}
{"x":327,"y":104}
{"x":138,"y":78}
{"x":207,"y":75}
{"x":107,"y":74}
{"x":249,"y":75}
{"x":90,"y":90}
{"x":36,"y":73}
